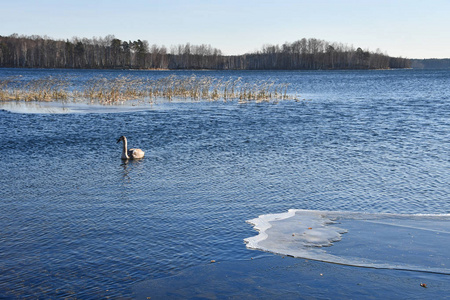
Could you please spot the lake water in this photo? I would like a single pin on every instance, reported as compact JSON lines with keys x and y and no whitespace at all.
{"x":77,"y":221}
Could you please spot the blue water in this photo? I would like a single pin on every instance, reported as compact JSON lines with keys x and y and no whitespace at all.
{"x":76,"y":221}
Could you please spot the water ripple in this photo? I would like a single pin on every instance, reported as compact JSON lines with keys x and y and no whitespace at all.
{"x":76,"y":221}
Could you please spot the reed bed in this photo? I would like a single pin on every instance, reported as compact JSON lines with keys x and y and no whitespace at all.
{"x":41,"y":89}
{"x":121,"y":89}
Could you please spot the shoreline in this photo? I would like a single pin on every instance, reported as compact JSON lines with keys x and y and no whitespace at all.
{"x":282,"y":277}
{"x":205,"y":69}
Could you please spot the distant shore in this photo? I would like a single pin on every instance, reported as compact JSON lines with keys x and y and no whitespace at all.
{"x":110,"y":53}
{"x":422,"y":64}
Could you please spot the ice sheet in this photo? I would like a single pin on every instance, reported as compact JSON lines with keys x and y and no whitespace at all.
{"x":407,"y":242}
{"x":36,"y":107}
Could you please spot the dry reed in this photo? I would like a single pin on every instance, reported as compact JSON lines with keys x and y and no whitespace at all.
{"x":124,"y":88}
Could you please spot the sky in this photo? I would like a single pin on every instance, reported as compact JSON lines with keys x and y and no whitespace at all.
{"x":406,"y":28}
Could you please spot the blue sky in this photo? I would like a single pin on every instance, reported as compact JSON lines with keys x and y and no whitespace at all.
{"x":407,"y":28}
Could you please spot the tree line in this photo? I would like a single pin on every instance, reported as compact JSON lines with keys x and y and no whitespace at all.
{"x":109,"y":53}
{"x":431,"y":63}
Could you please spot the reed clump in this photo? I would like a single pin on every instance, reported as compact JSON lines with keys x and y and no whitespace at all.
{"x":213,"y":89}
{"x":120,"y":89}
{"x":41,"y":89}
{"x":111,"y":91}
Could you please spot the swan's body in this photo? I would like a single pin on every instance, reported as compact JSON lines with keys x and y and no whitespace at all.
{"x":130,"y":153}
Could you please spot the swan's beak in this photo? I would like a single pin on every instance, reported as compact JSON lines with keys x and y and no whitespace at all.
{"x":118,"y":141}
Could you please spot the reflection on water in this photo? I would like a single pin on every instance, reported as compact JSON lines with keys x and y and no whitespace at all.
{"x":130,"y":166}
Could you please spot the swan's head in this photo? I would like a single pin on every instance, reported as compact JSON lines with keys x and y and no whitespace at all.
{"x":121,"y":139}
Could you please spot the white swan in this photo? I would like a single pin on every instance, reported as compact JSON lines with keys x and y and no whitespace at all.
{"x":131,"y":153}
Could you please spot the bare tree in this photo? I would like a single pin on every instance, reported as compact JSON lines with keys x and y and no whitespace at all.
{"x":110,"y":52}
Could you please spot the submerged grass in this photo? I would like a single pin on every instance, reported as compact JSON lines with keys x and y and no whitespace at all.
{"x":118,"y":90}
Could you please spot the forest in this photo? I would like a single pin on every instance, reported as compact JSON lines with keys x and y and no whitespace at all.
{"x":431,"y":63}
{"x":111,"y":53}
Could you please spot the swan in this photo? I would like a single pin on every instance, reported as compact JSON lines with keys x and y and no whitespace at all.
{"x":131,"y":153}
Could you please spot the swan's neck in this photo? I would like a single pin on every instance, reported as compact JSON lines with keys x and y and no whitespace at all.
{"x":124,"y":149}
